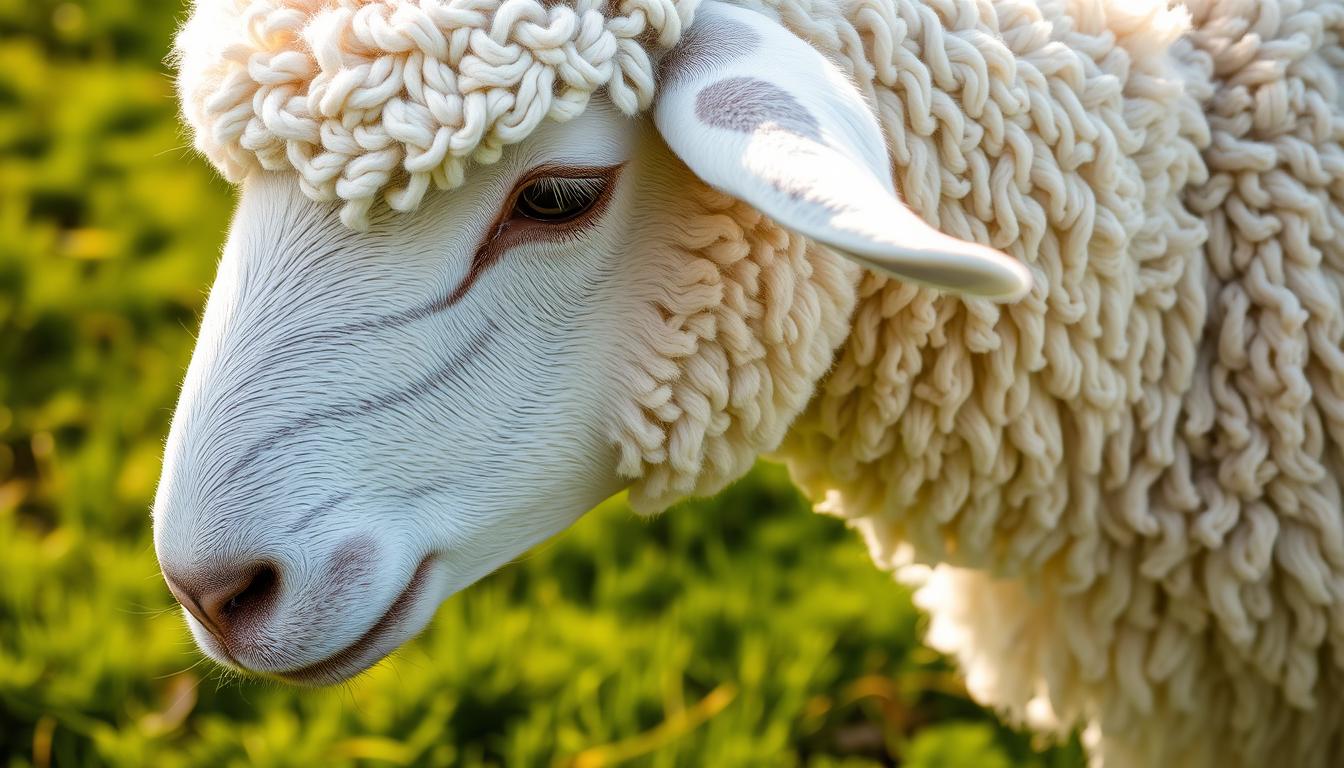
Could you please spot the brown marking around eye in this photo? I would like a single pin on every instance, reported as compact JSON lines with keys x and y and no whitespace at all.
{"x":508,"y":230}
{"x":747,"y":105}
{"x":709,"y":43}
{"x":504,"y":232}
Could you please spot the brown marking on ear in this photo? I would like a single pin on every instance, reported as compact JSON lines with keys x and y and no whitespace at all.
{"x":747,"y":105}
{"x":708,"y":44}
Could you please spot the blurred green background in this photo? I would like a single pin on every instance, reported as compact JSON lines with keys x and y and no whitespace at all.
{"x":740,"y":631}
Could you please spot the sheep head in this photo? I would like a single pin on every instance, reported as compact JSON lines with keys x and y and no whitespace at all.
{"x":384,"y":406}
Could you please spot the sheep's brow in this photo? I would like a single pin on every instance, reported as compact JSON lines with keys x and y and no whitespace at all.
{"x":381,"y":100}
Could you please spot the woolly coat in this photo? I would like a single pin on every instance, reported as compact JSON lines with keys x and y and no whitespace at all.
{"x":1121,"y":496}
{"x":1128,"y":486}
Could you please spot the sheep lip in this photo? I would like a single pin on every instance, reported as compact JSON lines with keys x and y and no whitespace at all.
{"x":346,"y":662}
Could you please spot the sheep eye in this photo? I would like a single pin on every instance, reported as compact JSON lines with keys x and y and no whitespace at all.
{"x":558,"y":199}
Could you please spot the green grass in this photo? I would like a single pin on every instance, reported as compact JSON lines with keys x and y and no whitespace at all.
{"x":742,"y":631}
{"x":738,"y":631}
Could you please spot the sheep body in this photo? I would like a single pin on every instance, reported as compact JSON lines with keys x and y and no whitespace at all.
{"x":1122,"y":496}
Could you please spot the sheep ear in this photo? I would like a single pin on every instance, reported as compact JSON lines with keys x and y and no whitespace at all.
{"x":756,"y":112}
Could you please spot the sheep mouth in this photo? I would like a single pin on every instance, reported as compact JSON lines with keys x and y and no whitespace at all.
{"x":355,"y":658}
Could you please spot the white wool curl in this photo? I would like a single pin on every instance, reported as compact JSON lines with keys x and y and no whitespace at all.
{"x":384,"y":97}
{"x":729,"y":352}
{"x":1122,"y":495}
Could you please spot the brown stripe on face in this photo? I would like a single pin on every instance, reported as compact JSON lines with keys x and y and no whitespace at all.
{"x":364,"y":407}
{"x":747,"y":105}
{"x":710,"y":43}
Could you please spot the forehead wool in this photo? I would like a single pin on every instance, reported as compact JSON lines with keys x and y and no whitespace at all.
{"x":370,"y":98}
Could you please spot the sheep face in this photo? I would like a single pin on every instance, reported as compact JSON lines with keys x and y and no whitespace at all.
{"x":375,"y":419}
{"x":371,"y":421}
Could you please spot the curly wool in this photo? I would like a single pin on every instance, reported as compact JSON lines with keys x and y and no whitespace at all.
{"x":731,"y":349}
{"x":1122,"y":496}
{"x":364,"y":98}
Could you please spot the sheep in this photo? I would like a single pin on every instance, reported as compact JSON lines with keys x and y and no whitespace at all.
{"x":1045,"y":298}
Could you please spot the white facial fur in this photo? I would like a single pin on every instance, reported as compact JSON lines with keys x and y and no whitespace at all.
{"x":330,"y":410}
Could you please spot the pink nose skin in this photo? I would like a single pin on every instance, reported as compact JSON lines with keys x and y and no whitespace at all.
{"x":227,"y":601}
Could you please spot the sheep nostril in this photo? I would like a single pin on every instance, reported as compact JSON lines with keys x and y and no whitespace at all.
{"x":255,"y":593}
{"x":225,"y":601}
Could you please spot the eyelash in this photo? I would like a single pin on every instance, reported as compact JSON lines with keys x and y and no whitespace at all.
{"x":512,"y":227}
{"x":540,"y":197}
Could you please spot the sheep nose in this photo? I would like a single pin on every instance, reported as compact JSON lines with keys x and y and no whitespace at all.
{"x":226,"y":600}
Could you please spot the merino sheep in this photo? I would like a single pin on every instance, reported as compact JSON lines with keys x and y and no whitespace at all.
{"x":1120,"y":492}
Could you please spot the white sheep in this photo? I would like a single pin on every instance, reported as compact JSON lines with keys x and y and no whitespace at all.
{"x":666,"y":245}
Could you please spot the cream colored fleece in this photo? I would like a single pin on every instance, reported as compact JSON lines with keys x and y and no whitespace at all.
{"x":1128,"y":487}
{"x":1121,"y":496}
